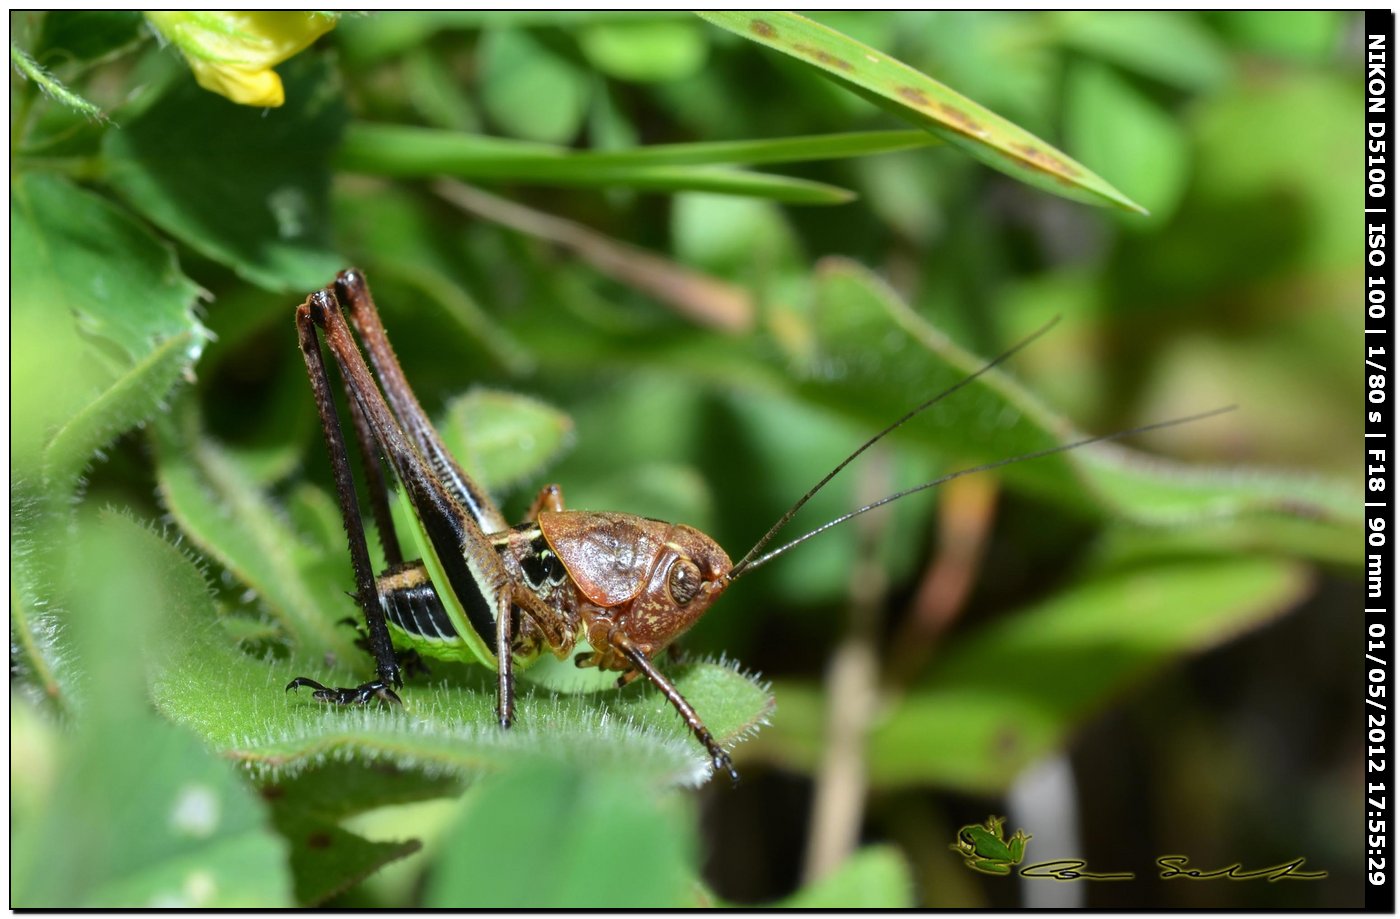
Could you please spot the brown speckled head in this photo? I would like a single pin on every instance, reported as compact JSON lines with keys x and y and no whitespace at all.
{"x":658,"y":577}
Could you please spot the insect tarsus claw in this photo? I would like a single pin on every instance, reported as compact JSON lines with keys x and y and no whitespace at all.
{"x":359,"y":695}
{"x":721,"y":762}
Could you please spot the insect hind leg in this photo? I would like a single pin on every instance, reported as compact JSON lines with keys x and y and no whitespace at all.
{"x":410,"y":661}
{"x":366,"y":593}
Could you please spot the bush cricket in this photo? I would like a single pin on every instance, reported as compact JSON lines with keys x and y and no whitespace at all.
{"x":484,"y":591}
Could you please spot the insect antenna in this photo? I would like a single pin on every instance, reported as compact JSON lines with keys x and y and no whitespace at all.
{"x":750,"y":563}
{"x":746,"y":562}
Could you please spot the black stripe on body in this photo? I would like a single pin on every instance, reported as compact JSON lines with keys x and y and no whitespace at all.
{"x":411,"y":603}
{"x":448,"y":540}
{"x":463,"y":489}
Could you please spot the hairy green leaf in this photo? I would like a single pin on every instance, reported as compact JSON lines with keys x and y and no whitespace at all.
{"x":164,"y":823}
{"x":224,"y":511}
{"x":99,"y":304}
{"x":107,"y":329}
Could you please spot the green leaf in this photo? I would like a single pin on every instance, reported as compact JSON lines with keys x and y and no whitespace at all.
{"x":40,"y":658}
{"x":327,"y":860}
{"x":645,"y":52}
{"x":340,"y":790}
{"x":542,"y":836}
{"x":222,"y":509}
{"x":142,"y":817}
{"x":437,"y":93}
{"x":915,"y":97}
{"x":1168,"y":45}
{"x":1306,"y":35}
{"x":100,"y":305}
{"x":369,"y":39}
{"x":528,"y":90}
{"x":86,"y":35}
{"x":1249,"y":148}
{"x":503,"y":438}
{"x":1129,"y":136}
{"x":876,"y":877}
{"x":448,"y":723}
{"x":877,"y":356}
{"x":246,"y":187}
{"x":136,"y":813}
{"x":1014,"y":691}
{"x":733,"y":237}
{"x":132,"y":398}
{"x":106,"y":320}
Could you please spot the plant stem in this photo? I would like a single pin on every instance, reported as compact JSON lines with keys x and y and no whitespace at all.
{"x":51,"y":86}
{"x":853,"y":681}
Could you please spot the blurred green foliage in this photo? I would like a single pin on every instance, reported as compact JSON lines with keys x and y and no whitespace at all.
{"x":693,"y":288}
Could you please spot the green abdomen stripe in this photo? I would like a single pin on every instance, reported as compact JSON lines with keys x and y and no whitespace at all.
{"x":472,"y":644}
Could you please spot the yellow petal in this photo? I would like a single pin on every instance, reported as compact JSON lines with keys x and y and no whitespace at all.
{"x":233,"y":53}
{"x":246,"y":86}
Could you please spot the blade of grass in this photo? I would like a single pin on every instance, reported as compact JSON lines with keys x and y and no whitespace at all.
{"x":415,"y":153}
{"x":916,"y":97}
{"x":368,"y":140}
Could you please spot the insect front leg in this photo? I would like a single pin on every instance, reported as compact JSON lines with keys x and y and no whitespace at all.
{"x":719,"y":759}
{"x":505,"y":663}
{"x":557,"y":633}
{"x":366,"y":592}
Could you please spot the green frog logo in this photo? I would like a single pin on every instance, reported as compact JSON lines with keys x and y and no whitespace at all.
{"x":985,"y":848}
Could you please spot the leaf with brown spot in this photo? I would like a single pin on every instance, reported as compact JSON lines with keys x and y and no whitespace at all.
{"x":916,"y":97}
{"x":327,"y":860}
{"x":762,"y":29}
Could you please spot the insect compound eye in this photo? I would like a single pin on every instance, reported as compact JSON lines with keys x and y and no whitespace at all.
{"x":685,"y":581}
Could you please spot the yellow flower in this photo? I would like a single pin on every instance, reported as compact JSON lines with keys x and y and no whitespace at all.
{"x":233,"y":53}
